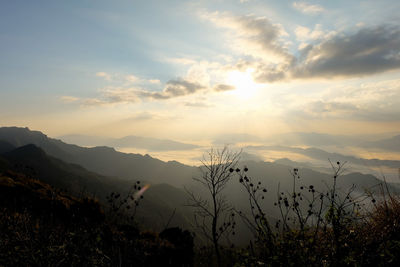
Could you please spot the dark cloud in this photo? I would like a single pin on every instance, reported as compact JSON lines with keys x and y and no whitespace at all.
{"x":181,"y":87}
{"x":271,"y":73}
{"x":264,"y":33}
{"x":152,"y":95}
{"x":173,"y":88}
{"x":261,"y":41}
{"x":368,"y":51}
{"x":223,"y":87}
{"x":267,"y":36}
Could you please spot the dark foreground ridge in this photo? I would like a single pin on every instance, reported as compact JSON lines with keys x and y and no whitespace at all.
{"x":43,"y":226}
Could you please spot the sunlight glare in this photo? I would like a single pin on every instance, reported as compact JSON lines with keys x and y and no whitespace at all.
{"x":245,"y":86}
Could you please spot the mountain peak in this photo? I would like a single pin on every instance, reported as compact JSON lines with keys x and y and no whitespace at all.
{"x":19,"y":136}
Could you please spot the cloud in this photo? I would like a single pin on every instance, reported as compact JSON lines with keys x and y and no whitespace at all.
{"x":264,"y":46}
{"x":375,"y":101}
{"x":348,"y":111}
{"x":69,"y":99}
{"x":252,"y":35}
{"x":172,"y":89}
{"x":321,"y":109}
{"x":368,"y":51}
{"x":223,"y":87}
{"x":131,"y":78}
{"x":151,"y":95}
{"x":180,"y":60}
{"x":142,"y":116}
{"x":326,"y":107}
{"x":118,"y":95}
{"x":306,"y":34}
{"x":125,"y":79}
{"x":93,"y":102}
{"x":235,"y":139}
{"x":257,"y":38}
{"x":111,"y":96}
{"x":314,"y":139}
{"x":198,"y":104}
{"x":181,"y":87}
{"x":307,"y":8}
{"x":154,"y":81}
{"x":265,"y":73}
{"x":104,"y":75}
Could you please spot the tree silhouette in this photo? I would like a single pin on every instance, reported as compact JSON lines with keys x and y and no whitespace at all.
{"x":214,"y":216}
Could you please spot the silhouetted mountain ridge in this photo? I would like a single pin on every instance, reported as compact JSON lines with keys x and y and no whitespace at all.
{"x":109,"y":162}
{"x":103,"y":160}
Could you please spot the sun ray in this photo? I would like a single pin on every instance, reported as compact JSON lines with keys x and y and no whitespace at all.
{"x":245,"y":86}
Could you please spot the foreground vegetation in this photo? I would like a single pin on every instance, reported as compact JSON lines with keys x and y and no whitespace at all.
{"x":44,"y":226}
{"x":317,"y":227}
{"x":41,"y":226}
{"x":329,"y":227}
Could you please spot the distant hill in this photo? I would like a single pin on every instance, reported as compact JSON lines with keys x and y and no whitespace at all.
{"x":131,"y":141}
{"x":319,"y":154}
{"x":390,"y":144}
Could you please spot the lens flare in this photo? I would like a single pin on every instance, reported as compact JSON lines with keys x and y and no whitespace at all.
{"x":141,"y":191}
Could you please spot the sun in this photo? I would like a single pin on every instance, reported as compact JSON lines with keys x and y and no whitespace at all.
{"x":245,"y":86}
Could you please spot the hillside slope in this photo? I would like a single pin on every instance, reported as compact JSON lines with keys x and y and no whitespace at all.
{"x":154,"y":210}
{"x":103,"y":160}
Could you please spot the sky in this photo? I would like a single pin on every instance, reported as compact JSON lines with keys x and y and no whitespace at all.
{"x":194,"y":71}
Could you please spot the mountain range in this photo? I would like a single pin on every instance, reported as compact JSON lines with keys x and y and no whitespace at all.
{"x":139,"y":142}
{"x":102,"y":170}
